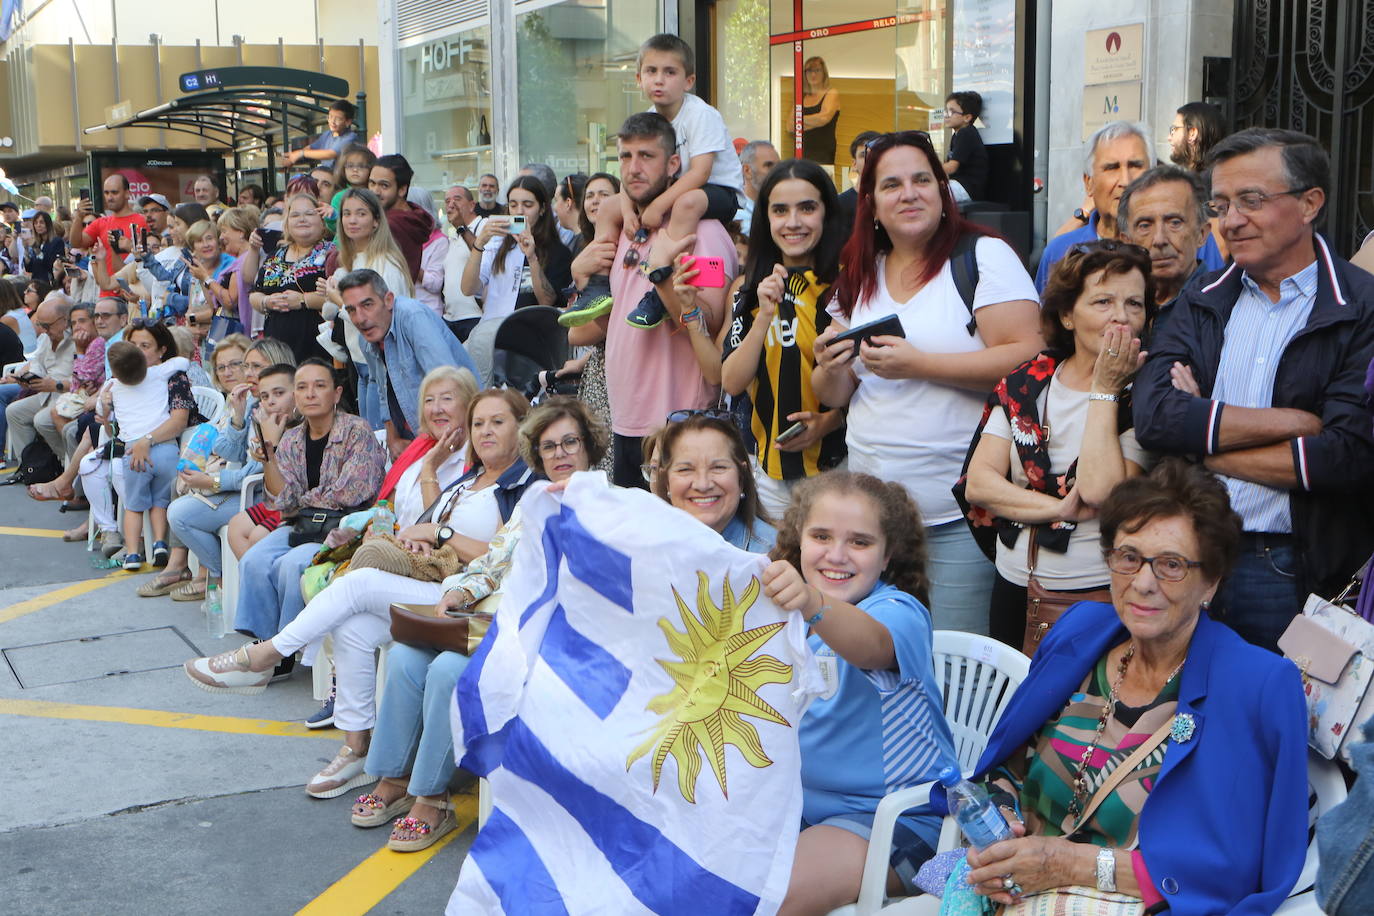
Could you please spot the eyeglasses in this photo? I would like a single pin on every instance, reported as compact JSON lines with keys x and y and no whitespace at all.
{"x":631,"y":258}
{"x":44,"y":325}
{"x":648,"y":471}
{"x":100,"y":315}
{"x":1252,"y":201}
{"x":952,"y":111}
{"x":233,"y":364}
{"x":1167,"y":568}
{"x":570,"y":445}
{"x":1108,"y":245}
{"x":1175,"y":128}
{"x":710,"y":413}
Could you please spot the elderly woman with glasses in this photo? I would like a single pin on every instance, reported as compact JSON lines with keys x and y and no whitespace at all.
{"x":915,"y":396}
{"x":1151,"y":751}
{"x":1040,"y":492}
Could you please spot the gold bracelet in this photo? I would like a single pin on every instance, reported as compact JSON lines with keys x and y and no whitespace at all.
{"x":425,"y":480}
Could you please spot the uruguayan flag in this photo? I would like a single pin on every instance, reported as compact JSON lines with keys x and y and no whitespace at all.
{"x":635,"y":707}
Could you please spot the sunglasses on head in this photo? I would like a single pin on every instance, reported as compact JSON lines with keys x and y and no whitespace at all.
{"x":711,"y":413}
{"x":148,"y":323}
{"x":897,"y":138}
{"x":1108,"y":245}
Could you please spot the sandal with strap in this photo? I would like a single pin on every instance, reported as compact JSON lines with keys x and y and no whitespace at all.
{"x":162,"y":584}
{"x":423,"y":834}
{"x":371,"y":811}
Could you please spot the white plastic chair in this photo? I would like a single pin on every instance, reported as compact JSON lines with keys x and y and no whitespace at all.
{"x":977,"y":676}
{"x":209,"y":402}
{"x":1325,"y":790}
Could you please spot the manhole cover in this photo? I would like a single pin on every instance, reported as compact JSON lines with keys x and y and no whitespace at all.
{"x":89,"y":658}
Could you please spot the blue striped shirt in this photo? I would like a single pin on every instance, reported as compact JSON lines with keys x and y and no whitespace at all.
{"x":1257,"y":333}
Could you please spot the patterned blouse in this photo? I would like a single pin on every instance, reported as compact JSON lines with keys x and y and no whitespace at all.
{"x":1054,"y":760}
{"x":350,"y":476}
{"x":88,"y":369}
{"x":278,"y":274}
{"x":483,"y":576}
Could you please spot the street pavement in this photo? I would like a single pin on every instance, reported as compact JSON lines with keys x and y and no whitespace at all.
{"x":131,"y":791}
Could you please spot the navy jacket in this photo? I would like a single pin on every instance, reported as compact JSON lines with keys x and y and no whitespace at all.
{"x":1322,"y":371}
{"x":510,"y":486}
{"x":1224,"y":830}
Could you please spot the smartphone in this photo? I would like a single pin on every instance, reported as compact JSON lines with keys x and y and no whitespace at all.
{"x":28,"y":378}
{"x":73,"y":271}
{"x":517,"y":225}
{"x":143,"y":239}
{"x":790,"y":433}
{"x":84,"y":193}
{"x":271,"y":238}
{"x":890,"y":326}
{"x":710,"y":273}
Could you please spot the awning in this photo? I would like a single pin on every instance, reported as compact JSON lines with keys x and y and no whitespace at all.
{"x":244,"y":107}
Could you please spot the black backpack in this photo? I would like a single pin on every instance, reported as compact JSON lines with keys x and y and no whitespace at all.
{"x":37,"y":464}
{"x":963,"y":263}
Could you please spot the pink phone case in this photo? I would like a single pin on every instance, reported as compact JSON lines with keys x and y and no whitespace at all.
{"x":710,"y":273}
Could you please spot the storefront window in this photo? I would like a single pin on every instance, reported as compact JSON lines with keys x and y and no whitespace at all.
{"x":576,"y":82}
{"x":866,"y":65}
{"x":446,"y":100}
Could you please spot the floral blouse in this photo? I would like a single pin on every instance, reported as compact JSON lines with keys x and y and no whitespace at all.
{"x":88,"y":369}
{"x":350,"y":476}
{"x":278,"y":274}
{"x":484,"y":575}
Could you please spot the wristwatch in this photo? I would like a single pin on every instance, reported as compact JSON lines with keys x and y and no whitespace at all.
{"x":445,"y":535}
{"x":659,"y":274}
{"x":1106,"y":870}
{"x":61,"y":388}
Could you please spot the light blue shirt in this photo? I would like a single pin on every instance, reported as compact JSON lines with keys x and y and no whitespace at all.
{"x":1257,"y":333}
{"x":417,"y":342}
{"x":118,"y":336}
{"x":874,"y":732}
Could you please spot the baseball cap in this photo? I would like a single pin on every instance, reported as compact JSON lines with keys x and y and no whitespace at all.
{"x":158,"y":199}
{"x":28,"y":214}
{"x":9,"y":205}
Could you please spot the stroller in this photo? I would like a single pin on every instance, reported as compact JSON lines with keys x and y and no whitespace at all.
{"x":529,"y":346}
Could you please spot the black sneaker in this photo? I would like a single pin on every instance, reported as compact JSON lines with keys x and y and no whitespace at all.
{"x":161,"y":554}
{"x":649,"y":313}
{"x":593,"y":301}
{"x":285,"y":668}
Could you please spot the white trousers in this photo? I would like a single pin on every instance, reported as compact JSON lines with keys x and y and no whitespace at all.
{"x":356,"y":610}
{"x":95,"y":482}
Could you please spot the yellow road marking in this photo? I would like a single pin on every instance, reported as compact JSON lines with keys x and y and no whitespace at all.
{"x":57,"y":596}
{"x":33,"y":532}
{"x":382,"y":872}
{"x":231,"y":725}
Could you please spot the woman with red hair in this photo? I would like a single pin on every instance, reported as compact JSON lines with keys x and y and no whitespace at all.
{"x":915,"y":399}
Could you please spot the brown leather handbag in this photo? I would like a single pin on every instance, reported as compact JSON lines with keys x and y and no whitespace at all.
{"x":417,"y":625}
{"x":1045,"y":607}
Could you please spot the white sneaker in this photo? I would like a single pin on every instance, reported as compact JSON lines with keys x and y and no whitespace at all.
{"x":343,"y":773}
{"x":227,"y":673}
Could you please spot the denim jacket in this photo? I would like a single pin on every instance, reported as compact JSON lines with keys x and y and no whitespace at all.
{"x":1345,"y":841}
{"x":417,"y":342}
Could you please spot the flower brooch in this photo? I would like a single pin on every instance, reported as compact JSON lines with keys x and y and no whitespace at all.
{"x":1183,"y":728}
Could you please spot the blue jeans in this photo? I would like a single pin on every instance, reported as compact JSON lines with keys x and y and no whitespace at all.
{"x":8,"y":394}
{"x":960,"y":579}
{"x":413,"y":735}
{"x":270,"y":584}
{"x":1345,"y":840}
{"x":1264,"y":591}
{"x":198,"y":527}
{"x":369,"y":398}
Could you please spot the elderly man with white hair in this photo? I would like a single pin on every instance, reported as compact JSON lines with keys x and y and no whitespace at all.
{"x":46,"y":375}
{"x":1114,"y":156}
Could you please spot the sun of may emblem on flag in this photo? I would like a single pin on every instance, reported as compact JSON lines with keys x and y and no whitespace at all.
{"x":715,"y":686}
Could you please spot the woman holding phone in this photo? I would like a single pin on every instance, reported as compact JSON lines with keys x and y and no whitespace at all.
{"x":527,"y":238}
{"x":915,"y":400}
{"x":794,"y":258}
{"x":289,"y":285}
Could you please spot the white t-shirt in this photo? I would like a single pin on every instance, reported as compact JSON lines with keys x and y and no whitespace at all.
{"x":700,"y":129}
{"x":1081,"y":566}
{"x":913,"y":431}
{"x":501,"y":290}
{"x":471,"y":513}
{"x":408,"y":501}
{"x":458,"y":306}
{"x":142,"y":408}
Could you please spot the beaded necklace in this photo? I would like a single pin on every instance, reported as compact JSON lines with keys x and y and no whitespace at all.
{"x":1080,"y":780}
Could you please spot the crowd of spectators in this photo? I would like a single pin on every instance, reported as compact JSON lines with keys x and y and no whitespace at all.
{"x":1167,"y":421}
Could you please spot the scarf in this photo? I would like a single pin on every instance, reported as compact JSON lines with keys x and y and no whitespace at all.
{"x":416,"y":450}
{"x":1019,"y":395}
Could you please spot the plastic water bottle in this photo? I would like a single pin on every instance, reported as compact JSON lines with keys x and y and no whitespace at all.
{"x":978,"y":817}
{"x":214,"y":612}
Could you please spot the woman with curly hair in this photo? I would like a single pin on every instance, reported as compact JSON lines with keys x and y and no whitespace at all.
{"x":851,"y":559}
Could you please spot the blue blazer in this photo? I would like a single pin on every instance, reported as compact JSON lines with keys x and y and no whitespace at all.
{"x":1225,"y":828}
